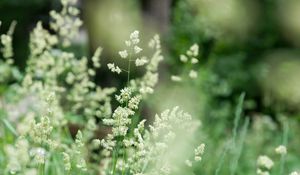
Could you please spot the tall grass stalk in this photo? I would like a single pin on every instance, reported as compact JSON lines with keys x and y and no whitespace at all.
{"x":238,"y":114}
{"x":116,"y":151}
{"x":284,"y":142}
{"x":231,"y":144}
{"x":240,"y":148}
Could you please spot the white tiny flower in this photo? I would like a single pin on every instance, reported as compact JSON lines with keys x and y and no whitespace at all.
{"x":281,"y":149}
{"x":261,"y":172}
{"x":67,"y":162}
{"x":110,"y":66}
{"x":265,"y":161}
{"x":128,"y":43}
{"x":200,"y":149}
{"x":134,"y":102}
{"x":183,"y":58}
{"x":134,"y":34}
{"x":193,"y":74}
{"x":176,"y":78}
{"x":188,"y":163}
{"x":39,"y":155}
{"x":96,"y":143}
{"x":123,"y":54}
{"x":118,"y":70}
{"x":194,"y":61}
{"x":294,"y":173}
{"x":137,"y":49}
{"x":194,"y":50}
{"x":113,"y":68}
{"x":134,"y":37}
{"x":124,"y":96}
{"x":141,"y":61}
{"x":91,"y":72}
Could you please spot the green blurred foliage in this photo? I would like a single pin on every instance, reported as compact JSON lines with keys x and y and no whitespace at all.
{"x":230,"y":62}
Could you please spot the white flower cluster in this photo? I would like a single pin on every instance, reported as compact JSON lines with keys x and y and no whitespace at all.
{"x":113,"y":68}
{"x":96,"y":57}
{"x":146,"y":84}
{"x":6,"y":41}
{"x":123,"y":54}
{"x":199,"y":152}
{"x":129,"y":99}
{"x":264,"y":162}
{"x":121,"y":116}
{"x":281,"y":149}
{"x":141,"y":61}
{"x":39,"y":155}
{"x":189,"y":59}
{"x":41,"y":40}
{"x":130,"y":53}
{"x":18,"y":155}
{"x":79,"y":157}
{"x":67,"y":161}
{"x":54,"y":68}
{"x":151,"y":146}
{"x":7,"y":70}
{"x":66,"y":22}
{"x":124,"y":96}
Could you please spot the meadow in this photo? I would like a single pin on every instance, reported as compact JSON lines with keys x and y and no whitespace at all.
{"x":194,"y":99}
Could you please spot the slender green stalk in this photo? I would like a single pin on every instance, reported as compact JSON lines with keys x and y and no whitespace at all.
{"x":221,"y":160}
{"x":42,"y":169}
{"x":240,"y":149}
{"x":128,"y":71}
{"x":238,"y":114}
{"x":9,"y":126}
{"x":231,"y":144}
{"x":124,"y":156}
{"x":284,"y":142}
{"x":115,"y":152}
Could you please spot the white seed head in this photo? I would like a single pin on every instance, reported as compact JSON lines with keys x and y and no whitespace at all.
{"x":113,"y":68}
{"x":265,"y":161}
{"x":261,"y":172}
{"x":183,"y":58}
{"x":176,"y":78}
{"x":193,"y":74}
{"x":141,"y":61}
{"x":123,"y":54}
{"x":281,"y":149}
{"x":194,"y":60}
{"x":194,"y":50}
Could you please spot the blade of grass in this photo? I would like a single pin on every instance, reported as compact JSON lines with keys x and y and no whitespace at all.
{"x":240,"y":148}
{"x":231,"y":143}
{"x":9,"y":126}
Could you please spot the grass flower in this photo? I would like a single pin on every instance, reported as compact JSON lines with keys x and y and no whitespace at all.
{"x":281,"y":149}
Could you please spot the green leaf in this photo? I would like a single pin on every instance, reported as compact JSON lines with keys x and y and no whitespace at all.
{"x":9,"y":126}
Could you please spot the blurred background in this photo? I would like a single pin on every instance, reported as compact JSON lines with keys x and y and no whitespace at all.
{"x":245,"y":46}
